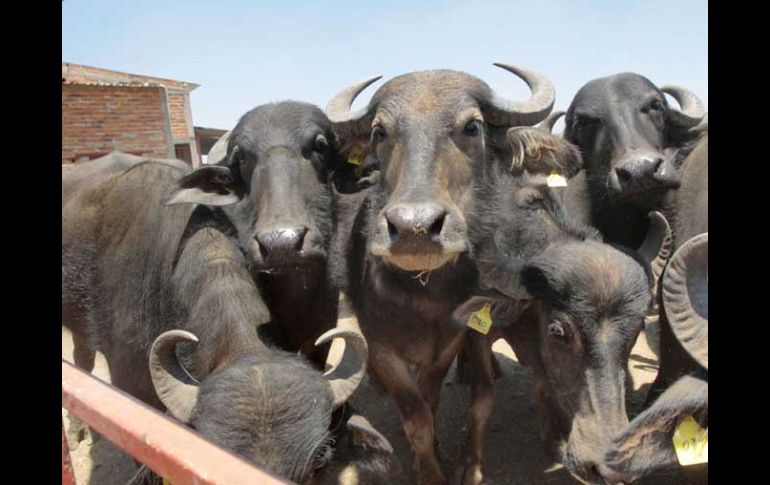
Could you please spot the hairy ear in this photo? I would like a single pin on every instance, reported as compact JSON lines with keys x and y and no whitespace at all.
{"x":504,"y":277}
{"x":212,"y":185}
{"x":536,"y":281}
{"x":537,"y":151}
{"x":364,"y":435}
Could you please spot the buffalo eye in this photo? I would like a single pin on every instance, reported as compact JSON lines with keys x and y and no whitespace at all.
{"x":321,"y":143}
{"x":473,"y":128}
{"x":323,"y":455}
{"x":584,"y":122}
{"x":556,"y":329}
{"x":379,"y":133}
{"x":656,"y":105}
{"x":318,"y":146}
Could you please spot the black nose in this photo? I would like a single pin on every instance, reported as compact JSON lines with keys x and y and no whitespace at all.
{"x":281,"y":242}
{"x":415,"y":221}
{"x":638,"y":171}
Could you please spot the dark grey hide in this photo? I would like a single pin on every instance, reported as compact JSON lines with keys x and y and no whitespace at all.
{"x":570,"y":306}
{"x":403,"y":242}
{"x":633,"y":144}
{"x":174,"y":297}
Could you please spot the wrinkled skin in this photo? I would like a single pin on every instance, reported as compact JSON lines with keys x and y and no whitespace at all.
{"x":570,"y":306}
{"x":632,"y":149}
{"x":134,"y":268}
{"x":402,"y":243}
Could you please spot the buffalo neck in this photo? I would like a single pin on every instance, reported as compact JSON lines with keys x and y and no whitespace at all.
{"x":220,"y":299}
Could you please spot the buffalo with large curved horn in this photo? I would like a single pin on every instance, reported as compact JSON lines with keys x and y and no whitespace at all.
{"x":501,"y":111}
{"x":180,"y":392}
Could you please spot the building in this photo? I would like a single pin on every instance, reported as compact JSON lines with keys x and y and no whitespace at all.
{"x":104,"y":110}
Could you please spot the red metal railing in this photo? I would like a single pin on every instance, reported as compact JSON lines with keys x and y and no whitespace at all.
{"x":168,"y":448}
{"x":67,"y":474}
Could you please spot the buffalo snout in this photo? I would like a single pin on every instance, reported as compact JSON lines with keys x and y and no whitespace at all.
{"x":643,"y":172}
{"x":415,"y":223}
{"x":281,"y":245}
{"x":419,"y":236}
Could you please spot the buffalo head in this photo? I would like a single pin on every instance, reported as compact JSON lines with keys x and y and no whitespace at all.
{"x":428,"y":133}
{"x":570,"y":306}
{"x":272,"y":182}
{"x":274,"y":411}
{"x":645,"y":446}
{"x":630,"y":136}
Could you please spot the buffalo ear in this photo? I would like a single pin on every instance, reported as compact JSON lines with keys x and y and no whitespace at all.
{"x":213,"y":185}
{"x":504,"y":278}
{"x":537,"y":151}
{"x":363,"y":435}
{"x":535,"y":280}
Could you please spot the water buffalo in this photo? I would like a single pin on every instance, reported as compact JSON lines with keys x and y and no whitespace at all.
{"x":570,"y":306}
{"x":200,"y":287}
{"x":403,"y":242}
{"x":646,"y":445}
{"x":632,"y":143}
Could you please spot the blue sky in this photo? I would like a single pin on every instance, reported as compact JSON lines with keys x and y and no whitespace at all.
{"x":245,"y":53}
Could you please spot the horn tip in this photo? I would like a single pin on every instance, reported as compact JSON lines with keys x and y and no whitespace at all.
{"x":179,"y":333}
{"x":328,"y":336}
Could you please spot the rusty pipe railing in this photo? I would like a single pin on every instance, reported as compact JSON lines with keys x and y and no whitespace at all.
{"x":168,"y":448}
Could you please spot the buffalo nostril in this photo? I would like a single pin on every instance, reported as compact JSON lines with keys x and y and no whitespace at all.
{"x":436,"y":227}
{"x":263,"y":251}
{"x":300,"y":238}
{"x":392,"y":232}
{"x":624,"y":175}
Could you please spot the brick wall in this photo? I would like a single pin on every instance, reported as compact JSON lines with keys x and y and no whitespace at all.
{"x":106,"y":118}
{"x":176,"y":108}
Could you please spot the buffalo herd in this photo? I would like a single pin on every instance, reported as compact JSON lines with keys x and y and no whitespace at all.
{"x":450,"y":217}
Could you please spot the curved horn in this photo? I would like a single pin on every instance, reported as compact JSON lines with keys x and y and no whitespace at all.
{"x":685,"y":296}
{"x":691,"y":110}
{"x":704,"y":124}
{"x":177,"y":390}
{"x":656,"y":247}
{"x":219,"y":151}
{"x":338,"y":109}
{"x":505,"y":112}
{"x":345,"y":377}
{"x":550,"y":121}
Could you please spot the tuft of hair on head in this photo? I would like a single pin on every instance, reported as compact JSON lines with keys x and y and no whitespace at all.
{"x":536,"y":151}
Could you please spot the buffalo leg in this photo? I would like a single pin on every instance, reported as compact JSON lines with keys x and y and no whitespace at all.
{"x":461,"y":372}
{"x":85,"y":358}
{"x":83,"y":353}
{"x":482,"y":375}
{"x":415,"y":412}
{"x":431,"y":380}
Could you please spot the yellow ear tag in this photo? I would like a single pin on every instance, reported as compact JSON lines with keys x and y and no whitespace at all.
{"x":556,"y":180}
{"x":481,"y":320}
{"x":166,"y":482}
{"x":691,"y":442}
{"x":356,"y":155}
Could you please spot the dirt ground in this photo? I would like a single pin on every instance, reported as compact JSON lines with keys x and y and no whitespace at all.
{"x":514,"y":453}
